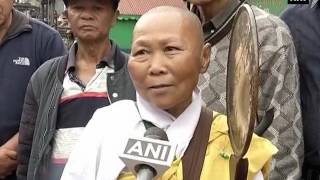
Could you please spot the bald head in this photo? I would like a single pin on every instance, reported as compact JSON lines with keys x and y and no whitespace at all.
{"x":167,"y":56}
{"x":171,"y":18}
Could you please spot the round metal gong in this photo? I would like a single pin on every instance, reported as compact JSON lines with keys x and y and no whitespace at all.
{"x":242,"y":80}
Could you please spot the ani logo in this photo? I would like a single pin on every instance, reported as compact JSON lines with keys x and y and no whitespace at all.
{"x":298,"y":1}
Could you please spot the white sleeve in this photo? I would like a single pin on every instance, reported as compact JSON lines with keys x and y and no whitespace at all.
{"x":259,"y":176}
{"x":84,"y":160}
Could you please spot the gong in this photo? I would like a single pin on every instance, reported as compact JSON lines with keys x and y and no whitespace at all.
{"x":242,"y":88}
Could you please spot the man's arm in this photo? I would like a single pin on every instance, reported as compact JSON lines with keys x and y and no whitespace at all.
{"x":26,"y":131}
{"x":8,"y":157}
{"x":280,"y":92}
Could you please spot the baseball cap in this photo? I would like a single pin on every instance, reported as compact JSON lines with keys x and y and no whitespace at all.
{"x":115,"y":3}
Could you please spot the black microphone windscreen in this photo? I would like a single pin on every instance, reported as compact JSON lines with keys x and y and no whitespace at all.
{"x":156,"y":133}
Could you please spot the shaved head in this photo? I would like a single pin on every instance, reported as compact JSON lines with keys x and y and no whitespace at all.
{"x":172,"y":17}
{"x":167,"y":56}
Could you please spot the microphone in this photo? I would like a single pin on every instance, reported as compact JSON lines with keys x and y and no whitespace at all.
{"x":145,"y":171}
{"x":150,"y":156}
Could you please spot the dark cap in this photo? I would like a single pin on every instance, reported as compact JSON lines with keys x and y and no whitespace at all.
{"x":115,"y":3}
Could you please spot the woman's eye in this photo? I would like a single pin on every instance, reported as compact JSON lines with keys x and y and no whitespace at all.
{"x":98,"y":8}
{"x":140,"y":52}
{"x":172,"y":48}
{"x":77,"y":7}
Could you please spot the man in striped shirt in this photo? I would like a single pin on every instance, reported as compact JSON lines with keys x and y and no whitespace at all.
{"x":64,"y":93}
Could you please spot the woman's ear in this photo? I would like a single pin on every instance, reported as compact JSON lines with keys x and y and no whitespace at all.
{"x":205,"y":57}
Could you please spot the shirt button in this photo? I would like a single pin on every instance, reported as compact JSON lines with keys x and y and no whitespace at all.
{"x":115,"y":95}
{"x":112,"y":78}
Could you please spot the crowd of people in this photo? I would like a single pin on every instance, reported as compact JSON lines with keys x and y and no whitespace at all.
{"x":68,"y":110}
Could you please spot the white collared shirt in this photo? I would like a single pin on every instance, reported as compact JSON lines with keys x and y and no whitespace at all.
{"x":179,"y":130}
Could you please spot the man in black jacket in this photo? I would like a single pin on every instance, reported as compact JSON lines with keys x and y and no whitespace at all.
{"x":25,"y":44}
{"x":304,"y":23}
{"x":64,"y":93}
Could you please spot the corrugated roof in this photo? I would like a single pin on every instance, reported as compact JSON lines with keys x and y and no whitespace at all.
{"x":139,"y":7}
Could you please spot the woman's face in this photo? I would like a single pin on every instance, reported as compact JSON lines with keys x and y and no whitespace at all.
{"x":165,"y":63}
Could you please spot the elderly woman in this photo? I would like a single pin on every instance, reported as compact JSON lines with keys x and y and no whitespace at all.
{"x":168,"y":54}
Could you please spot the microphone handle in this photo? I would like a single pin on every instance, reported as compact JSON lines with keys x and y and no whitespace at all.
{"x":145,"y":173}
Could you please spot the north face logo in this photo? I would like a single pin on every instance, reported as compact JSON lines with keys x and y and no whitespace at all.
{"x":23,"y":61}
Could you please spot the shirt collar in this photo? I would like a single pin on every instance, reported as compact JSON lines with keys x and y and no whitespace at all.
{"x":179,"y":130}
{"x":108,"y":59}
{"x":219,"y":21}
{"x":20,"y":23}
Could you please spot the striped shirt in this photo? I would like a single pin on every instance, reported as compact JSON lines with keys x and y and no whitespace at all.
{"x":77,"y":104}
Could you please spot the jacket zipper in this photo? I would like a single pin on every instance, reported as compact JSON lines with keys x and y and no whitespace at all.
{"x":108,"y":92}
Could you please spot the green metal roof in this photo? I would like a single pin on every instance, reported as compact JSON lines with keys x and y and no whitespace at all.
{"x":128,"y":18}
{"x":122,"y":32}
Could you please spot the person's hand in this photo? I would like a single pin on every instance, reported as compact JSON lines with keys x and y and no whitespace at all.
{"x":8,"y":162}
